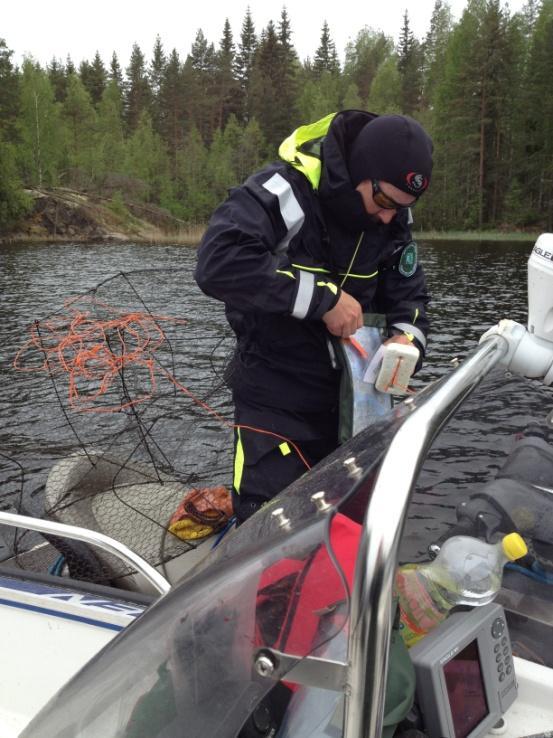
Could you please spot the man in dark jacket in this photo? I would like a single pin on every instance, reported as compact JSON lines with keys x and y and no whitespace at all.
{"x":298,"y":253}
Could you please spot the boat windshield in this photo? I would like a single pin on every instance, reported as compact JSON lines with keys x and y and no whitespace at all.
{"x":188,"y":666}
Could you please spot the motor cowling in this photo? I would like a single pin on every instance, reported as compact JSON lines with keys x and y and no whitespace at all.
{"x":530,"y":350}
{"x":540,"y":288}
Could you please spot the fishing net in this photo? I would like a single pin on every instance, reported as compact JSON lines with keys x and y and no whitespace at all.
{"x":130,"y":431}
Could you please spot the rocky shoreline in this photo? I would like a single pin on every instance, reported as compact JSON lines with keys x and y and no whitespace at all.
{"x":65,"y":216}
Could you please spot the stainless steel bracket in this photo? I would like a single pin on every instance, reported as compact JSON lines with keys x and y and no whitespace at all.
{"x":309,"y":671}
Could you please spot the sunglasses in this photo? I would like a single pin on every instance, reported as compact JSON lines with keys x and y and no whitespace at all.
{"x":385,"y":202}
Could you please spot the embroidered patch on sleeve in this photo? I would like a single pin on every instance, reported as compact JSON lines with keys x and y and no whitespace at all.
{"x":408,"y":262}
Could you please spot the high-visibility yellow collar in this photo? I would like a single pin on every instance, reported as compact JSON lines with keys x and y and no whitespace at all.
{"x":302,"y":148}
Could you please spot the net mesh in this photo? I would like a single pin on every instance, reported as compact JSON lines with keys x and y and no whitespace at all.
{"x":132,"y":416}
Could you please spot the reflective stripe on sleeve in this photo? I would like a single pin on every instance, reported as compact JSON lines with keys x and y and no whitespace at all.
{"x":238,"y":462}
{"x":410,"y":220}
{"x":416,"y":332}
{"x":304,"y":296}
{"x":290,"y":210}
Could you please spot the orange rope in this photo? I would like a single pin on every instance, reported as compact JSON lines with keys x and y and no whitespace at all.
{"x":80,"y":346}
{"x":228,"y":423}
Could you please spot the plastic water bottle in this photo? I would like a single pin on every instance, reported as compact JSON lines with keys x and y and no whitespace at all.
{"x":467,"y":571}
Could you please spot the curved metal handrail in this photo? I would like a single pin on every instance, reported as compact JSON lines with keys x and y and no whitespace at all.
{"x":371,"y":608}
{"x":89,"y":536}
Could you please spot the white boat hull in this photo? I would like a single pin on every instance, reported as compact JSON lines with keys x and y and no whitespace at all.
{"x":47,"y":634}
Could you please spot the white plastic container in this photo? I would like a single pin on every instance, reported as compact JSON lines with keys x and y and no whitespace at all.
{"x":398,"y":364}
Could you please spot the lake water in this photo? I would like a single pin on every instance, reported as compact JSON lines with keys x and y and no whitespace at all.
{"x":473,"y":285}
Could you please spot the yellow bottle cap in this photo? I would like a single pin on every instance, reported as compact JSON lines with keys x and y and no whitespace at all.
{"x":514,"y":546}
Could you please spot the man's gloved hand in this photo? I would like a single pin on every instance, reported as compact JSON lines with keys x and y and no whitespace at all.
{"x":345,"y":317}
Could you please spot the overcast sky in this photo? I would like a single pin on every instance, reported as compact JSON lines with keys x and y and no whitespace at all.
{"x":46,"y":29}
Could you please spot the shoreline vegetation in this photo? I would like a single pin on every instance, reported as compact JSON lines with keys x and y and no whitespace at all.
{"x":62,"y":215}
{"x":493,"y":235}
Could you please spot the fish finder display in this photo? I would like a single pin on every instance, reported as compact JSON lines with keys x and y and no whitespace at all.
{"x":465,"y":673}
{"x":465,"y":688}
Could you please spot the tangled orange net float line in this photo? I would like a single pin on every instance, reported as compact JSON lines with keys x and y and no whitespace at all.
{"x":78,"y":344}
{"x":93,"y":352}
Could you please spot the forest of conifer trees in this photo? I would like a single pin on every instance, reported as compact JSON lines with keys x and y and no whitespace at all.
{"x":178,"y":130}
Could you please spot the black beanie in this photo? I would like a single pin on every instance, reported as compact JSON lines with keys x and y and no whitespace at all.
{"x":394,"y":149}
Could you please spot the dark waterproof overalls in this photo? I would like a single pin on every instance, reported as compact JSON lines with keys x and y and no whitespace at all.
{"x":278,"y":252}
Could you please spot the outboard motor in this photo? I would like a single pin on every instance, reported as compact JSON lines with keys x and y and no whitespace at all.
{"x":530,"y":350}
